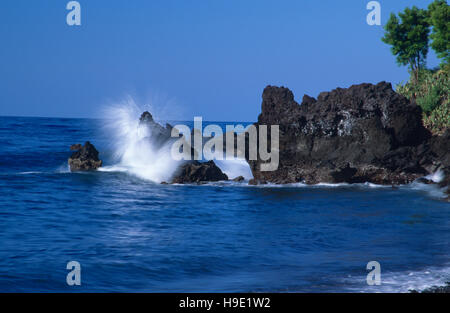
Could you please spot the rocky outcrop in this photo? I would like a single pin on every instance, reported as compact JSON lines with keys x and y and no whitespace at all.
{"x":254,"y":182}
{"x":365,"y":133}
{"x":85,"y":158}
{"x":238,"y":179}
{"x":197,"y":172}
{"x":188,"y":172}
{"x":75,"y":147}
{"x":160,"y":136}
{"x":154,"y":132}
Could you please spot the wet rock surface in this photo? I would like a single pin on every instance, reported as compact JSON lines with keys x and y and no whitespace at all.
{"x":188,"y":172}
{"x":365,"y":133}
{"x":255,"y":182}
{"x":85,"y":158}
{"x":155,"y":133}
{"x":198,"y":172}
{"x":239,"y":179}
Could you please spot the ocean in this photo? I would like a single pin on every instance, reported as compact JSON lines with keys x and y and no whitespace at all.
{"x":129,"y":233}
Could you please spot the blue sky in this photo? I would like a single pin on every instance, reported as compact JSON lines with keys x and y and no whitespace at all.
{"x":201,"y":57}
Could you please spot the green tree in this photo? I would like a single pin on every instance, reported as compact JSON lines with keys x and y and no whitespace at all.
{"x":408,"y":35}
{"x":439,"y":18}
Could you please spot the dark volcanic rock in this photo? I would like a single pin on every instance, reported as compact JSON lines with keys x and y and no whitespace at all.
{"x":365,"y":133}
{"x":255,"y":182}
{"x":155,"y":133}
{"x":197,"y":172}
{"x":190,"y":172}
{"x":85,"y":158}
{"x":75,"y":147}
{"x":434,"y":155}
{"x":160,"y":136}
{"x":239,"y":179}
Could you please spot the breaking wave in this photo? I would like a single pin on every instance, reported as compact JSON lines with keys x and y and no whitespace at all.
{"x":134,"y":152}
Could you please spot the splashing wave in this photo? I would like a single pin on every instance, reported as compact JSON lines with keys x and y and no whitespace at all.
{"x":134,"y":151}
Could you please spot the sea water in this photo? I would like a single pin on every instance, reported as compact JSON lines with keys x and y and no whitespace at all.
{"x":131,"y":234}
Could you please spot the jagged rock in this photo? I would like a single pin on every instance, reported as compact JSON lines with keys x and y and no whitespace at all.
{"x":197,"y":172}
{"x":85,"y":158}
{"x":190,"y":172}
{"x":75,"y":147}
{"x":435,"y":157}
{"x":160,"y":136}
{"x":365,"y":133}
{"x":255,"y":182}
{"x":445,"y":182}
{"x":239,"y":179}
{"x":440,"y":146}
{"x":155,"y":133}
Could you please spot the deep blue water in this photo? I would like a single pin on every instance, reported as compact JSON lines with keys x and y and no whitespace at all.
{"x":130,"y":234}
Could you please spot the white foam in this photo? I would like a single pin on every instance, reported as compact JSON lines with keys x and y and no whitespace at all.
{"x":432,"y":190}
{"x":404,"y":281}
{"x":63,"y":168}
{"x":234,"y":168}
{"x":436,"y":177}
{"x":332,"y":185}
{"x":113,"y":168}
{"x":133,"y":150}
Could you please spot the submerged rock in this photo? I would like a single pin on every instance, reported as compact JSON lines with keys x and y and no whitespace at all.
{"x":197,"y":172}
{"x":85,"y":158}
{"x":365,"y":133}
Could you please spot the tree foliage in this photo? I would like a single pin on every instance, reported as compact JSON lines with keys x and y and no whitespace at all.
{"x":431,"y":92}
{"x":439,"y":18}
{"x":408,"y":35}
